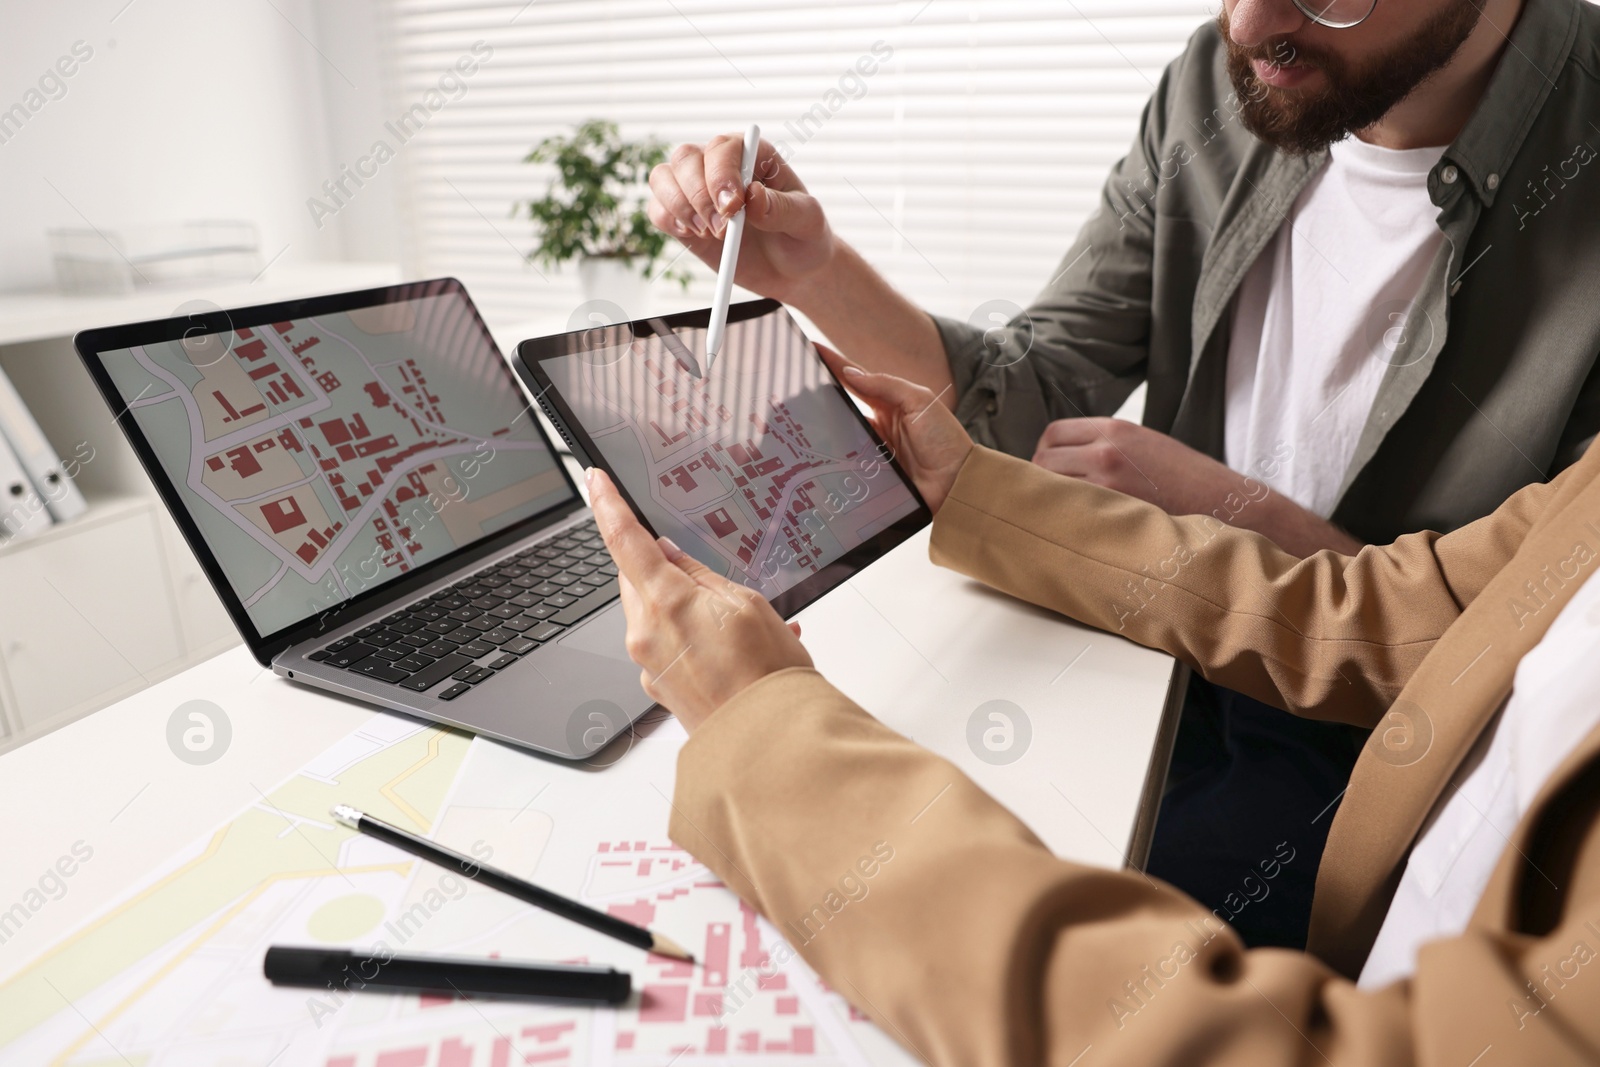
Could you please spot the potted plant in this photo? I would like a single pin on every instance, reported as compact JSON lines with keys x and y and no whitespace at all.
{"x":594,"y":212}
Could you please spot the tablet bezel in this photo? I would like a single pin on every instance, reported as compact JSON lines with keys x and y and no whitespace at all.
{"x":93,"y":344}
{"x":531,"y":354}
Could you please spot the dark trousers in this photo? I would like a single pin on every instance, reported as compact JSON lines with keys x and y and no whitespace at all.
{"x":1249,"y":799}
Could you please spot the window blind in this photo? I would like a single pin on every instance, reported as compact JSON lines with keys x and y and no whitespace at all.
{"x":962,"y":165}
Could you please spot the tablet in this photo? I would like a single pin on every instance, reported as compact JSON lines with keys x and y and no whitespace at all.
{"x":763,"y":469}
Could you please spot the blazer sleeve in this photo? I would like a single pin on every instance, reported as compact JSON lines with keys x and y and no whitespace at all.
{"x":1329,"y":636}
{"x":939,"y":914}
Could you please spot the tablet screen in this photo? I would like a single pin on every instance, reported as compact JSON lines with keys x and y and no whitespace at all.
{"x":762,"y":469}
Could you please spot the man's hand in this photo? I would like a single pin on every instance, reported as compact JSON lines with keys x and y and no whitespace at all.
{"x":787,"y":240}
{"x":790,"y":253}
{"x":699,"y":637}
{"x":925,"y":435}
{"x":1138,"y":461}
{"x":1148,"y":464}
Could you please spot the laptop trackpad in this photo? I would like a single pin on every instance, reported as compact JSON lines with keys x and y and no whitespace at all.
{"x":603,"y":635}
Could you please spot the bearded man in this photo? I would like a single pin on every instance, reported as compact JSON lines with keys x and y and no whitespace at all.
{"x":1352,"y":253}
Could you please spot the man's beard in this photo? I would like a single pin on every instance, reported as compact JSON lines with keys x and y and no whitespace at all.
{"x":1304,"y":121}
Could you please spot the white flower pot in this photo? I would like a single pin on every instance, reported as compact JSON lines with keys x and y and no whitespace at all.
{"x":617,"y":281}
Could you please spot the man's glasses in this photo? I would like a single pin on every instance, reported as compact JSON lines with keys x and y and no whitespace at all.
{"x":1337,"y":14}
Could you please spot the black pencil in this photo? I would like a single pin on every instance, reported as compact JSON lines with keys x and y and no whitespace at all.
{"x":599,"y":921}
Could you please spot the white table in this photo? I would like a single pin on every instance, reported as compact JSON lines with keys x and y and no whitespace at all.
{"x":920,"y":647}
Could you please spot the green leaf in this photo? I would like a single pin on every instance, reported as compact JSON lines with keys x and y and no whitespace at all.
{"x":595,"y":203}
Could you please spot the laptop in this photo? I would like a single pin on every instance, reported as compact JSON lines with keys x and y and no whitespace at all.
{"x":379,"y":511}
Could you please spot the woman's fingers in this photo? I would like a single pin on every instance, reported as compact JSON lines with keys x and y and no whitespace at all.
{"x":677,"y":556}
{"x":884,"y":415}
{"x":698,"y":572}
{"x":635,"y":552}
{"x":884,"y":392}
{"x":838,"y":365}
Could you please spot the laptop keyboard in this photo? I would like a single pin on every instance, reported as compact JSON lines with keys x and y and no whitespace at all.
{"x":485,"y":623}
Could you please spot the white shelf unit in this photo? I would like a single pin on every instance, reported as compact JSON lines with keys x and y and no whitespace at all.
{"x":114,"y":600}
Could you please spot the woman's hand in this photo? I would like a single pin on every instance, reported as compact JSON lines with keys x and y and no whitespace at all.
{"x":926,"y":437}
{"x":699,"y":637}
{"x":787,"y":239}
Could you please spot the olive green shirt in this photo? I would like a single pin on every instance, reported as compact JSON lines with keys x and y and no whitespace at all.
{"x":1492,"y":385}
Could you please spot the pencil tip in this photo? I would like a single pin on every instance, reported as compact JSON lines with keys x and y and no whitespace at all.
{"x":665,"y":946}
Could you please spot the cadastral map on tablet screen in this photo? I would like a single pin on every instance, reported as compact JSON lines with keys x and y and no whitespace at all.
{"x":760,"y":470}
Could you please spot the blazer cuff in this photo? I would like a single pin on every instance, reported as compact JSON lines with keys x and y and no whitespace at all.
{"x":990,"y":487}
{"x":724,"y":757}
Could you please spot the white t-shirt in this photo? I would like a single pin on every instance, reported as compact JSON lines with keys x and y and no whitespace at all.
{"x":1319,"y":315}
{"x":1315,"y":328}
{"x":1551,"y":709}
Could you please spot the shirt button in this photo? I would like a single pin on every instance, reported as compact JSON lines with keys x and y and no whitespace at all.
{"x":1449,"y":175}
{"x":1492,"y":181}
{"x":993,"y":406}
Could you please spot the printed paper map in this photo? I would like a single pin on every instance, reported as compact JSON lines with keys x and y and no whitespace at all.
{"x":171,"y":974}
{"x":326,"y":455}
{"x":760,"y":469}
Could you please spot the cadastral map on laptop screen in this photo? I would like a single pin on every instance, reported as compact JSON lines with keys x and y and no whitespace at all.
{"x":760,"y":470}
{"x":324,"y":456}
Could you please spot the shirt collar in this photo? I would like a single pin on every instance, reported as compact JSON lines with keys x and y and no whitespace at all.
{"x":1534,"y":58}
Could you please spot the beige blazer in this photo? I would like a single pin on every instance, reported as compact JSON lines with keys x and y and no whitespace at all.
{"x":966,"y":940}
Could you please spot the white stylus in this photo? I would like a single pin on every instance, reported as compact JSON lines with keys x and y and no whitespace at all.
{"x":730,"y":253}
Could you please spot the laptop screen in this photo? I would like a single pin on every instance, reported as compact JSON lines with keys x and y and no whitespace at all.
{"x":325,"y":455}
